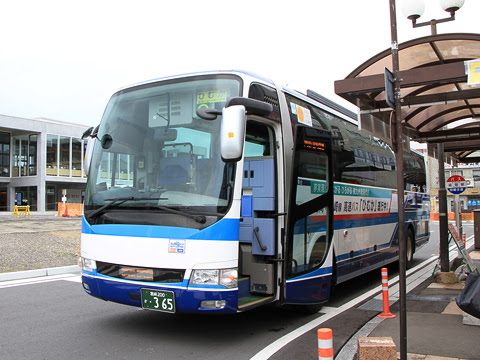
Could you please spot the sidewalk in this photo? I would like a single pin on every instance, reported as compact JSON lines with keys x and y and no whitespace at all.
{"x":436,"y":327}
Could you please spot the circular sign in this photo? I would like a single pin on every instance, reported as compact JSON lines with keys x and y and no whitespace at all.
{"x":456,"y":184}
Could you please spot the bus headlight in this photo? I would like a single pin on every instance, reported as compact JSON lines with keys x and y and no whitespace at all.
{"x":224,"y":277}
{"x":229,"y":278}
{"x":204,"y":277}
{"x":88,"y":265}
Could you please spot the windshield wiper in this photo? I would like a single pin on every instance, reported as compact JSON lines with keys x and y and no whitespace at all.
{"x":198,"y":218}
{"x":119,"y":200}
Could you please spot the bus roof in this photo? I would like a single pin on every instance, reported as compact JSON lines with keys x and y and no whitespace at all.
{"x":210,"y":72}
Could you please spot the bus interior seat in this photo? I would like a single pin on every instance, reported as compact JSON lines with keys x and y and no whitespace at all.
{"x":174,"y":171}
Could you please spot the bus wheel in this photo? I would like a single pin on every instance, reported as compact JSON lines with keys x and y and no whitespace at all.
{"x":311,"y":309}
{"x":410,"y":247}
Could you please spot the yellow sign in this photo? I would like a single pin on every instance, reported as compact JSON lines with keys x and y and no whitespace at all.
{"x":473,"y":71}
{"x":214,"y":96}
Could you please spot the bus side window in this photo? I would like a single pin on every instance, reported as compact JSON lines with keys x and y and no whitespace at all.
{"x":258,"y":140}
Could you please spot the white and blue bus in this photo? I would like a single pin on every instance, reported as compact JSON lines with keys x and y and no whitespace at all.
{"x":219,"y":192}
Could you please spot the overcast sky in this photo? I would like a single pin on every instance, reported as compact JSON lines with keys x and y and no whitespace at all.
{"x":63,"y":59}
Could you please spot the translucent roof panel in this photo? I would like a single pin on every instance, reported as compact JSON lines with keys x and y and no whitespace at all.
{"x":429,"y":101}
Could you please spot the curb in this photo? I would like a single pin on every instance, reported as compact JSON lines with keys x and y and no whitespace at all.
{"x":349,"y":348}
{"x":19,"y":275}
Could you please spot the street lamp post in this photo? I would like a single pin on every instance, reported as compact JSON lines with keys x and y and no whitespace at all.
{"x":413,"y":9}
{"x":397,"y":139}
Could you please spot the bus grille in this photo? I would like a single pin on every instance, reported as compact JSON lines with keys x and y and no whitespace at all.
{"x":140,"y":273}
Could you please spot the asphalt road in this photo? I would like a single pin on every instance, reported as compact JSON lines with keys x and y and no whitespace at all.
{"x":55,"y":319}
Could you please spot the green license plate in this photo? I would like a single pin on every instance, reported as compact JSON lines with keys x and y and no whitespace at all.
{"x":158,"y":300}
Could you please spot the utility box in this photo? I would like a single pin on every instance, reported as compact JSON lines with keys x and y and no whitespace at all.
{"x":476,"y":228}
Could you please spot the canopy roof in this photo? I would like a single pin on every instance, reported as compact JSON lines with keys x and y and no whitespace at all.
{"x":434,"y":92}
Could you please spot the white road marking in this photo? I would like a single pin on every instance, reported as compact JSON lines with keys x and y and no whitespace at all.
{"x":331,"y":312}
{"x":39,"y":280}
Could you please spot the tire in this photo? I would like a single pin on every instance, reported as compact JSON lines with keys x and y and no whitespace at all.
{"x":410,"y":248}
{"x":311,"y":309}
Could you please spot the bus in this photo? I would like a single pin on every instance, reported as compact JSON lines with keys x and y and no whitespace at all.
{"x":219,"y":192}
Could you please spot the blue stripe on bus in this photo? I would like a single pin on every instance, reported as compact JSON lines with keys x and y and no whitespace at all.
{"x":319,"y":272}
{"x":309,"y":290}
{"x":225,"y":230}
{"x":347,"y":223}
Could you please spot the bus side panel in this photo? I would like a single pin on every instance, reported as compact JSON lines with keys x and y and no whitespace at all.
{"x":417,"y":213}
{"x":311,"y":289}
{"x":366,"y":221}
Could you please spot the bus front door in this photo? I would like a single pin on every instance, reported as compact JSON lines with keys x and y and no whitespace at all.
{"x":309,"y":233}
{"x":258,"y":222}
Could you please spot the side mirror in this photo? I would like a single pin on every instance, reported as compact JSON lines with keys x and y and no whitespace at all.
{"x":87,"y":133}
{"x":232,"y":133}
{"x":91,"y":136}
{"x":88,"y":154}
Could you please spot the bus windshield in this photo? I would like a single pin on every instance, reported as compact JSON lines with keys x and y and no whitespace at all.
{"x":154,"y":154}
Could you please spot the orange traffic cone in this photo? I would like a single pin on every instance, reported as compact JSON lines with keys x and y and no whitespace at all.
{"x":65,"y":214}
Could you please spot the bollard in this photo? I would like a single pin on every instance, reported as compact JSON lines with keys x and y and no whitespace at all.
{"x":464,"y":240}
{"x":386,"y":314}
{"x":325,"y":344}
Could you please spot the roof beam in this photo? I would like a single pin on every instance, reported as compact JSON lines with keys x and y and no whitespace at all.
{"x":475,"y":159}
{"x":444,"y":74}
{"x":471,"y":144}
{"x":429,"y":100}
{"x":440,"y":98}
{"x":451,"y":135}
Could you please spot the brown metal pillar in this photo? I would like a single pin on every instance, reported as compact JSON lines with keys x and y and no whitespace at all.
{"x":442,"y":211}
{"x":398,"y":148}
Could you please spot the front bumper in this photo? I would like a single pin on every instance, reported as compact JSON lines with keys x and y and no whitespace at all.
{"x":187,"y":298}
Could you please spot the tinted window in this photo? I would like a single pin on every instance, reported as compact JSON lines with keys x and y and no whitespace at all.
{"x":358,"y":158}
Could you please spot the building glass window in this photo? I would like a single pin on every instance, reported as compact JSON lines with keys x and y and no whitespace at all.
{"x":106,"y":167}
{"x":124,"y":171}
{"x":64,"y":156}
{"x":52,"y":155}
{"x":51,"y":200}
{"x":76,"y":157}
{"x":32,"y":155}
{"x":476,"y":178}
{"x":16,"y":157}
{"x":4,"y":154}
{"x":24,"y":155}
{"x":26,"y":195}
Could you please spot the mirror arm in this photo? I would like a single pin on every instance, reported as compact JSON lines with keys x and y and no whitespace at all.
{"x":252,"y":106}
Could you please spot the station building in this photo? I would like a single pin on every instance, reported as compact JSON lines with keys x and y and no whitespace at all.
{"x":40,"y":160}
{"x":469,"y":200}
